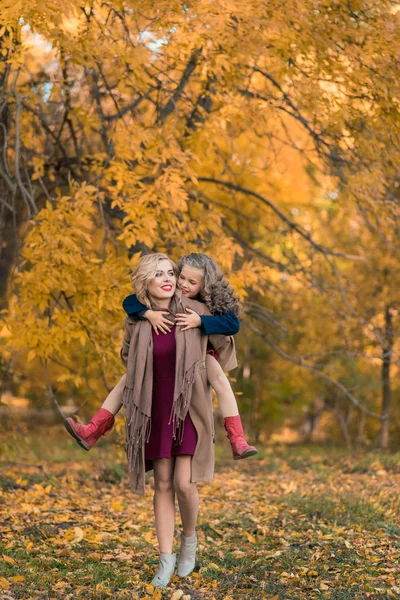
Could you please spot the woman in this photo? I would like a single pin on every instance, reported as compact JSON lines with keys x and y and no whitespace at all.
{"x":168,"y":408}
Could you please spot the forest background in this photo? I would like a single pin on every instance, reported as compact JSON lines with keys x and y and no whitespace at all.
{"x":264,"y":134}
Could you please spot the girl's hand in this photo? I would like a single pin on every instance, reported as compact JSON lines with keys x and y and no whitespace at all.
{"x":188,"y":321}
{"x":159,"y":323}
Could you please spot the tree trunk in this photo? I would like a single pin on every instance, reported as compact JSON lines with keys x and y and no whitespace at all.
{"x":312,"y":418}
{"x":361,"y":429}
{"x":383,"y":438}
{"x":343,"y":423}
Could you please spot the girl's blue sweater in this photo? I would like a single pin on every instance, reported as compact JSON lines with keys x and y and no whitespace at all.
{"x":227,"y":324}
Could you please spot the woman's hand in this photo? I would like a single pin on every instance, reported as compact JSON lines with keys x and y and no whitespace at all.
{"x":188,"y":321}
{"x":159,"y":323}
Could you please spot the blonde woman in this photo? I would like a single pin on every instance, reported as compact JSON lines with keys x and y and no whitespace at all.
{"x":168,"y":409}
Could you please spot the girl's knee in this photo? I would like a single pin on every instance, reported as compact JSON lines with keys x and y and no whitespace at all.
{"x":220,"y":382}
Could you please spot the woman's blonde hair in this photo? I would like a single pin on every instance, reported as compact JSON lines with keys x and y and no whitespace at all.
{"x":145,"y":271}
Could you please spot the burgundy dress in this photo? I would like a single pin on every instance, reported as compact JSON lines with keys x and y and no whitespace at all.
{"x":161,"y":443}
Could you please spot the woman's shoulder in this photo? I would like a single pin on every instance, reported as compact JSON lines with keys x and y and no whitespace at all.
{"x":131,"y":322}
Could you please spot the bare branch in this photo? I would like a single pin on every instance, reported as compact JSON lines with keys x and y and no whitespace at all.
{"x":291,"y":224}
{"x":171,"y":104}
{"x":301,"y":363}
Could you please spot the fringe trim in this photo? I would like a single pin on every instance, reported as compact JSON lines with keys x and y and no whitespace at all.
{"x":138,"y":428}
{"x":181,"y":403}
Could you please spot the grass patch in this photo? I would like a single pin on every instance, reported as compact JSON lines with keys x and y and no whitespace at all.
{"x":292,"y":523}
{"x":342,"y":510}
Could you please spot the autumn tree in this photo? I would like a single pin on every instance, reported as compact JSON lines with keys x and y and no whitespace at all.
{"x":263,"y":134}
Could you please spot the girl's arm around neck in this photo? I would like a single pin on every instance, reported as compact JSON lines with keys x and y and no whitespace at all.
{"x":133,"y":307}
{"x":227,"y":324}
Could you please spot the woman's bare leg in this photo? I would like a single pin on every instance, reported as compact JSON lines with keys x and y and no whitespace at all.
{"x":164,"y":502}
{"x":220,"y":384}
{"x":113,"y":402}
{"x":187,"y":493}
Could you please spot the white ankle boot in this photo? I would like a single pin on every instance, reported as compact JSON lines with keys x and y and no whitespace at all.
{"x":165,"y":570}
{"x":187,"y":555}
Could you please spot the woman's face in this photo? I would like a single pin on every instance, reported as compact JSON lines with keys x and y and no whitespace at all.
{"x":163,"y":284}
{"x":190,"y":281}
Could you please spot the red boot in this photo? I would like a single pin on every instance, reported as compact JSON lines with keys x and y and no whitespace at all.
{"x":240,"y":448}
{"x":87,"y":435}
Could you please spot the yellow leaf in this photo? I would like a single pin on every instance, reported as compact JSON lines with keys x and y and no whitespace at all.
{"x":29,"y":546}
{"x":74,"y":534}
{"x":150,"y":538}
{"x":31,"y":354}
{"x":324,"y":587}
{"x":177,"y":595}
{"x":78,"y":534}
{"x":251,"y":538}
{"x":60,"y":584}
{"x":4,"y":584}
{"x":17,"y":578}
{"x":9,"y":560}
{"x":21,"y":481}
{"x":284,"y":574}
{"x":117,"y":505}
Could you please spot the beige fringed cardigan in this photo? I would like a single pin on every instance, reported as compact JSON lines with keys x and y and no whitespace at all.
{"x":200,"y":403}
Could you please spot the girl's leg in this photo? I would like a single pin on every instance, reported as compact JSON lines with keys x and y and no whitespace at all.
{"x":101,"y":423}
{"x":164,"y":502}
{"x":220,"y":384}
{"x":188,"y":499}
{"x":229,"y":409}
{"x":113,"y":402}
{"x":164,"y":512}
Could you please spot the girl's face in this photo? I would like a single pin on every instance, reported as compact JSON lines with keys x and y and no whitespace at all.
{"x":190,"y":281}
{"x":163,"y":284}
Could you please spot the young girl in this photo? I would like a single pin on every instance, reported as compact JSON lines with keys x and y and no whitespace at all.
{"x":199,"y":278}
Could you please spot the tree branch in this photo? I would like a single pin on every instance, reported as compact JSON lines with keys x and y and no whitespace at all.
{"x":301,"y":363}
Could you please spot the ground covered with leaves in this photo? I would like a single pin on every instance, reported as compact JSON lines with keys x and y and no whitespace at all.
{"x":291,"y":523}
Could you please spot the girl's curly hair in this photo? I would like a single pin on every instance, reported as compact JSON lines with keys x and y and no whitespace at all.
{"x":215,"y":291}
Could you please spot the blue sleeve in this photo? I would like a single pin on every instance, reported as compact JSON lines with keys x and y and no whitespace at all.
{"x":227,"y":324}
{"x":133,"y":307}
